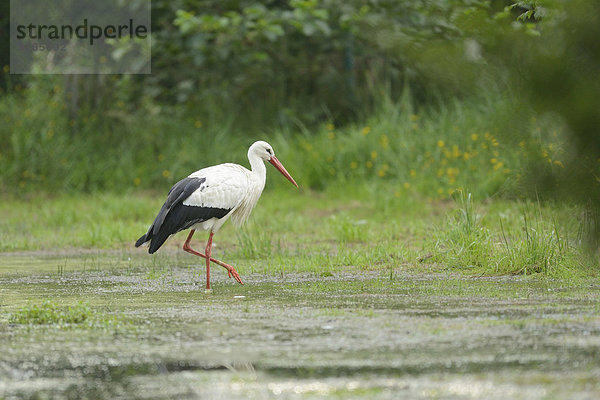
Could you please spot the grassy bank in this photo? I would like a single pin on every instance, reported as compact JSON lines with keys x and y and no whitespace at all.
{"x":354,"y":226}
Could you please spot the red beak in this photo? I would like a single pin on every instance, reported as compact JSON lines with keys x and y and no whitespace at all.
{"x":277,"y":164}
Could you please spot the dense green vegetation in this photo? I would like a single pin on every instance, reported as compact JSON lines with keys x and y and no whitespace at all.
{"x":430,"y":151}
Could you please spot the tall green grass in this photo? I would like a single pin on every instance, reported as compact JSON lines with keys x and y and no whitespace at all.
{"x":430,"y":151}
{"x":115,"y":149}
{"x":525,"y":242}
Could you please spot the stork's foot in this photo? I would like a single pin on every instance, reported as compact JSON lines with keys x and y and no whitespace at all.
{"x":232,"y":272}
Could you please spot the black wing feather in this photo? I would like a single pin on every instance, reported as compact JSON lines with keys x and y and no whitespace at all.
{"x":174,"y":216}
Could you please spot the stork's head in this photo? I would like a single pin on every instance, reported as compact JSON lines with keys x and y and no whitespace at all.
{"x":265,"y":151}
{"x":261,"y":149}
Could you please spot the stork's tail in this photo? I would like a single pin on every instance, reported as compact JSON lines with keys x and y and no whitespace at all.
{"x":141,"y":240}
{"x":145,"y":238}
{"x":154,"y":241}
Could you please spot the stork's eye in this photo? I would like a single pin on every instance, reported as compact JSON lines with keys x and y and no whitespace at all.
{"x":270,"y":151}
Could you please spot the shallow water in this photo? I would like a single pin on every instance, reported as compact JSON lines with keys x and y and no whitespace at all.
{"x":155,"y":334}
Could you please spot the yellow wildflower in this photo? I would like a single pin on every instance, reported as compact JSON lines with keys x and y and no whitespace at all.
{"x":137,"y":181}
{"x":366,"y":130}
{"x":494,"y":160}
{"x":166,"y":173}
{"x":406,"y":185}
{"x":414,"y":117}
{"x":381,"y":172}
{"x":413,"y":173}
{"x":474,"y":137}
{"x":455,"y":151}
{"x":545,"y":153}
{"x":498,"y":166}
{"x":384,"y":141}
{"x":353,"y":165}
{"x":198,"y":124}
{"x":369,"y":164}
{"x":452,"y":171}
{"x":329,"y":126}
{"x":440,"y":143}
{"x":559,"y":163}
{"x":373,"y":155}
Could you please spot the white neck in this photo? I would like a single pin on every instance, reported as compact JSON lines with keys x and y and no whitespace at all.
{"x":257,"y":165}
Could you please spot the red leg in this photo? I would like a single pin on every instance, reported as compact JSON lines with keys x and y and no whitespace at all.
{"x":207,"y":251}
{"x":230,"y":270}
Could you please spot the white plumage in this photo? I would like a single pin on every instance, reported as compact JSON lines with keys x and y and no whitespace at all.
{"x":228,"y":186}
{"x":207,"y":198}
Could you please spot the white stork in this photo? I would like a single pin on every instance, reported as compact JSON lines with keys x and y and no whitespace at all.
{"x":208,"y":197}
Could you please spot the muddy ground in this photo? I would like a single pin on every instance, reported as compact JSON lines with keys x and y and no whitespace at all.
{"x":153,"y":333}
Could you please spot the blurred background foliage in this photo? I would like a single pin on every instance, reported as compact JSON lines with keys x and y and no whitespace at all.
{"x":493,"y":96}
